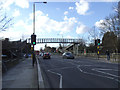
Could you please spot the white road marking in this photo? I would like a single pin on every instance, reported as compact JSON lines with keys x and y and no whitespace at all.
{"x":60,"y":84}
{"x":96,"y":74}
{"x":105,"y":72}
{"x":92,"y":73}
{"x":79,"y":68}
{"x":107,"y":69}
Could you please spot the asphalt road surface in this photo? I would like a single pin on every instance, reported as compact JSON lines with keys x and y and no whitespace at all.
{"x":78,"y":73}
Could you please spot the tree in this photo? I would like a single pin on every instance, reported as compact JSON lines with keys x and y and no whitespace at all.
{"x":93,"y":34}
{"x":111,"y":22}
{"x":109,"y":42}
{"x":91,"y":48}
{"x":5,"y":21}
{"x":118,"y":45}
{"x":111,"y":27}
{"x":81,"y":47}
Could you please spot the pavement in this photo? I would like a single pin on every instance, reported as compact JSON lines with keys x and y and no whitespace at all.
{"x":23,"y":75}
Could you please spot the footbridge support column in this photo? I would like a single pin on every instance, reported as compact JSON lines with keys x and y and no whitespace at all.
{"x":75,"y":49}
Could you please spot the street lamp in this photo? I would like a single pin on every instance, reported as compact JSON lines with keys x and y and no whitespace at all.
{"x":62,"y":38}
{"x":34,"y":18}
{"x":34,"y":36}
{"x":34,"y":15}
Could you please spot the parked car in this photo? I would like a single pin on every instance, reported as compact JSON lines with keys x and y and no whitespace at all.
{"x":29,"y":55}
{"x":46,"y":56}
{"x":26,"y":55}
{"x":40,"y":54}
{"x":68,"y":55}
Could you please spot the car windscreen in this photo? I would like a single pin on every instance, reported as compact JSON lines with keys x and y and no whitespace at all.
{"x":46,"y":54}
{"x":68,"y":53}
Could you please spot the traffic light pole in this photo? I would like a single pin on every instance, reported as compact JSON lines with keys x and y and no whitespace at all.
{"x":97,"y":44}
{"x":98,"y":54}
{"x":33,"y":32}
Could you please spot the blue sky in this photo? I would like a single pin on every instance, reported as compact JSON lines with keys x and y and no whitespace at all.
{"x":55,"y":19}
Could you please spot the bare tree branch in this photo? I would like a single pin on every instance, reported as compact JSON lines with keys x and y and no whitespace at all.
{"x":5,"y":21}
{"x":111,"y":23}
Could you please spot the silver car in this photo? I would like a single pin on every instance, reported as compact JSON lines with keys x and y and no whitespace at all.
{"x":68,"y":55}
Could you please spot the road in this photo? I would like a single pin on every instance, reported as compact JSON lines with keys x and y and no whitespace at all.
{"x":78,"y":73}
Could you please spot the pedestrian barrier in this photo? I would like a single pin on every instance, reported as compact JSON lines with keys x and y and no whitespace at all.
{"x":40,"y":79}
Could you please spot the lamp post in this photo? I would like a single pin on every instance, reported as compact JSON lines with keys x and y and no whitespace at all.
{"x":34,"y":36}
{"x":34,"y":18}
{"x":34,"y":15}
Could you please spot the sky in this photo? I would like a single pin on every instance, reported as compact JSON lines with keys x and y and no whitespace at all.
{"x":55,"y":19}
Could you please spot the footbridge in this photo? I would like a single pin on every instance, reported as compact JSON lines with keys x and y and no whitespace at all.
{"x":73,"y":42}
{"x":55,"y":40}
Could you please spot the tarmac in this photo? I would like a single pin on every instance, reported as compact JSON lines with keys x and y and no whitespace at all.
{"x":25,"y":76}
{"x":22,"y":75}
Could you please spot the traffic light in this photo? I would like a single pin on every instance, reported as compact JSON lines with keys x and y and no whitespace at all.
{"x":33,"y":39}
{"x":98,"y":41}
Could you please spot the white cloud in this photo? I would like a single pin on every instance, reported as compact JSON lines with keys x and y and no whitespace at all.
{"x":98,"y":23}
{"x":16,"y":13}
{"x":65,"y":18}
{"x":43,"y":23}
{"x":69,"y":36}
{"x":20,"y":3}
{"x":46,"y":24}
{"x":81,"y":29}
{"x":16,"y":32}
{"x":71,"y":8}
{"x":102,"y":0}
{"x":12,"y":34}
{"x":6,"y":4}
{"x":82,"y":7}
{"x":66,"y":12}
